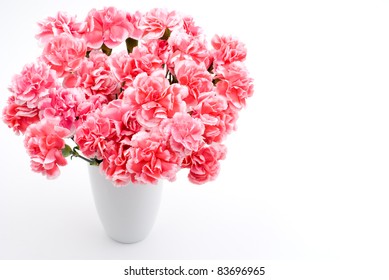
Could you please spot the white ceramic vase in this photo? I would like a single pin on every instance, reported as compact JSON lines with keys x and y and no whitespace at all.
{"x":127,"y":213}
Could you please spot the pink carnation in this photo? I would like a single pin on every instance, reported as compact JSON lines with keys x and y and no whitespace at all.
{"x":127,"y":66}
{"x":106,"y":135}
{"x":115,"y":155}
{"x":109,"y":26}
{"x":160,"y":49}
{"x":204,"y":164}
{"x":234,"y":83}
{"x":122,"y":67}
{"x":173,"y":101}
{"x":228,"y":49}
{"x":62,"y":103}
{"x":92,"y":104}
{"x":184,"y":133}
{"x":211,"y":111}
{"x":151,"y":159}
{"x":91,"y":135}
{"x":19,"y":117}
{"x":195,"y":77}
{"x":114,"y":164}
{"x":62,"y":23}
{"x":230,"y":117}
{"x":147,"y":97}
{"x":94,"y":75}
{"x":145,"y":61}
{"x":122,"y":118}
{"x":188,"y":47}
{"x":64,"y":53}
{"x":134,"y":31}
{"x":32,"y":84}
{"x":155,"y":22}
{"x":190,"y":27}
{"x":44,"y":143}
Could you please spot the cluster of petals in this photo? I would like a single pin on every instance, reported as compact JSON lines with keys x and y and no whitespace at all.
{"x":151,"y":158}
{"x":92,"y":134}
{"x":164,"y":104}
{"x":109,"y":26}
{"x":188,"y":47}
{"x":235,"y":84}
{"x":183,"y":132}
{"x":155,"y":23}
{"x":211,"y":111}
{"x":204,"y":164}
{"x":153,"y":99}
{"x":60,"y":24}
{"x":32,"y":84}
{"x":64,"y":53}
{"x":19,"y":117}
{"x":44,"y":142}
{"x":195,"y":77}
{"x":105,"y":135}
{"x":227,"y":50}
{"x":62,"y":103}
{"x":126,"y":67}
{"x":28,"y":89}
{"x":94,"y":75}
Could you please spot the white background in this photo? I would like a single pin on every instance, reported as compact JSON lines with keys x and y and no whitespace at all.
{"x":306,"y":175}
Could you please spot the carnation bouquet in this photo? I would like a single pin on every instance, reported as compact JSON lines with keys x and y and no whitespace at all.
{"x":141,"y":95}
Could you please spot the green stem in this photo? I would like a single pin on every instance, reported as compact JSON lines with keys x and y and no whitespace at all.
{"x":106,"y":50}
{"x":131,"y":44}
{"x":166,"y":35}
{"x":68,"y":151}
{"x":92,"y":161}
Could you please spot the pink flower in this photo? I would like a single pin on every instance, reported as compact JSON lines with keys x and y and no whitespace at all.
{"x":190,"y":27}
{"x":188,"y":47}
{"x":122,"y":118}
{"x":62,"y":23}
{"x":106,"y":135}
{"x":134,"y":31}
{"x":184,"y":133}
{"x":109,"y":26}
{"x":44,"y":143}
{"x":173,"y":101}
{"x":230,"y":118}
{"x":150,"y":158}
{"x":145,"y":61}
{"x":94,"y":75}
{"x":114,"y":164}
{"x":160,"y":49}
{"x":90,"y":105}
{"x":123,"y":125}
{"x":64,"y":53}
{"x":126,"y":67}
{"x":19,"y":117}
{"x":195,"y":77}
{"x":204,"y":164}
{"x":234,"y":83}
{"x":32,"y":84}
{"x":62,"y":103}
{"x":211,"y":111}
{"x":228,"y":50}
{"x":91,"y":136}
{"x":122,"y":68}
{"x":146,"y":96}
{"x":155,"y":22}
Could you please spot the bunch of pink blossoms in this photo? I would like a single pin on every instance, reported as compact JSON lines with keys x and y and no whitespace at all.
{"x":165,"y":102}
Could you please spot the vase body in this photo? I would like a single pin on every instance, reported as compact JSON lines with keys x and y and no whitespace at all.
{"x":128,"y":212}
